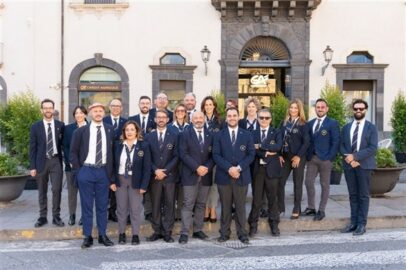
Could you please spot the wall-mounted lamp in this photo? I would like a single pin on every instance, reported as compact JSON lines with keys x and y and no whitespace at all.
{"x":205,"y":52}
{"x":328,"y":55}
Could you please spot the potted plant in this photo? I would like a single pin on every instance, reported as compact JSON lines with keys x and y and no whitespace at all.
{"x":386,"y":174}
{"x":337,"y":110}
{"x":16,"y":118}
{"x":221,"y":102}
{"x":12,"y":178}
{"x":399,"y":126}
{"x":279,"y":106}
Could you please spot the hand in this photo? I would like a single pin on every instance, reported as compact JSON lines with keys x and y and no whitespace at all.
{"x":354,"y":164}
{"x":349,"y":158}
{"x":234,"y":172}
{"x":256,"y":146}
{"x":33,"y":173}
{"x":142,"y":191}
{"x":113,"y":187}
{"x":160,"y":174}
{"x":281,"y":161}
{"x":295,"y":161}
{"x":202,"y":170}
{"x":270,"y":153}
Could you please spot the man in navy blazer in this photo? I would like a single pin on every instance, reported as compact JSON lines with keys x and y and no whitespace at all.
{"x":324,"y":134}
{"x":144,"y":119}
{"x":117,"y":121}
{"x":195,"y":151}
{"x":91,"y":156}
{"x":161,"y":102}
{"x":46,"y":162}
{"x":164,"y":157}
{"x":358,"y":145}
{"x":233,"y":152}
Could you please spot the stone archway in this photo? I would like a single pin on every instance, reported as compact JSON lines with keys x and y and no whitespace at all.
{"x":98,"y":60}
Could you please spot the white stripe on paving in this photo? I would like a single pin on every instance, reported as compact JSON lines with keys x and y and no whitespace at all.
{"x":270,"y":262}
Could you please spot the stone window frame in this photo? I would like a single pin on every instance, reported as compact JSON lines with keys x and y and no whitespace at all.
{"x":366,"y":54}
{"x":172,"y":54}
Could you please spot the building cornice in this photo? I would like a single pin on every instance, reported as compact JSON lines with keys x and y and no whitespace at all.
{"x":118,"y":8}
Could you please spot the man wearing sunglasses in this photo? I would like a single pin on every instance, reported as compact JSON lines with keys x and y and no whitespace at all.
{"x":358,"y":146}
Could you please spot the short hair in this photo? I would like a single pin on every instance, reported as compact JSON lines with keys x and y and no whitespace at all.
{"x":321,"y":100}
{"x":265,"y":111}
{"x":162,"y":111}
{"x":232,"y":101}
{"x":82,"y":108}
{"x":137,"y":128}
{"x":161,"y":93}
{"x":46,"y":101}
{"x":252,"y":100}
{"x":145,"y":97}
{"x":359,"y":101}
{"x":119,"y":99}
{"x":190,"y":94}
{"x":232,"y":109}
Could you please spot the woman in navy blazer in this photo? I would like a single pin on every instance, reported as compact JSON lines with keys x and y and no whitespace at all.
{"x":79,"y":113}
{"x":250,"y":122}
{"x":132,"y":169}
{"x":296,"y":140}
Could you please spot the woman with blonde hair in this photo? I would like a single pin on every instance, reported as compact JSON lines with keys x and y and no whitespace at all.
{"x":250,"y":122}
{"x":296,"y":140}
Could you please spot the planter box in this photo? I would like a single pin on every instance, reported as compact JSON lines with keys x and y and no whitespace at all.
{"x":335,"y":177}
{"x":383,"y":180}
{"x":400,"y":157}
{"x":11,"y":187}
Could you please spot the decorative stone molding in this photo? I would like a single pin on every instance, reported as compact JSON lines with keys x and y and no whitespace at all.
{"x":99,"y":9}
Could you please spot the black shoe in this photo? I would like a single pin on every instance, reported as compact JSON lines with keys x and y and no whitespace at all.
{"x":349,"y":228}
{"x":72,"y":220}
{"x":168,"y":238}
{"x":206,"y":219}
{"x":128,"y":220}
{"x":103,"y":239}
{"x":223,"y":238}
{"x":87,"y":242}
{"x":275,"y":229}
{"x":135,"y":240}
{"x":360,"y":230}
{"x":263,"y":213}
{"x":244,"y":239}
{"x":113,"y":217}
{"x":154,"y":237}
{"x":320,"y":215}
{"x":253,"y":231}
{"x":213,"y":220}
{"x":183,"y":239}
{"x":58,"y":221}
{"x":41,"y":222}
{"x":200,"y":235}
{"x":121,"y":239}
{"x":148,"y":217}
{"x":309,"y":212}
{"x":80,"y":223}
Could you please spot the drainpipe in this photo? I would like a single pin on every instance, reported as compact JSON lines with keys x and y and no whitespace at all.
{"x":62,"y":59}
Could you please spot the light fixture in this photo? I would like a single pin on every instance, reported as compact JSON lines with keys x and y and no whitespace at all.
{"x":328,"y":55}
{"x":205,"y":52}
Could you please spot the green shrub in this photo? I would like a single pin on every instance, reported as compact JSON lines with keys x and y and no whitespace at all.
{"x":385,"y":158}
{"x":398,"y":122}
{"x":221,"y":102}
{"x":279,"y":106}
{"x":8,"y":165}
{"x":16,"y":118}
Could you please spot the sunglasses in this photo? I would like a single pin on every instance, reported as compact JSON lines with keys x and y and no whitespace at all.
{"x":359,"y":109}
{"x":264,"y":118}
{"x":180,"y":111}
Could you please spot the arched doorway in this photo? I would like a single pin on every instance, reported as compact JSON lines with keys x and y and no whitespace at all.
{"x":264,"y":69}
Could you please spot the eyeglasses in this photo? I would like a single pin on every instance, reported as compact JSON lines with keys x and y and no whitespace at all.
{"x":359,"y":109}
{"x":180,"y":111}
{"x":264,"y":118}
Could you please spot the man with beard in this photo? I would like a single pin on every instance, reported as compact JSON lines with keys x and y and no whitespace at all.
{"x":46,"y":162}
{"x":358,"y":145}
{"x":195,"y":152}
{"x":324,"y":142}
{"x":190,"y":103}
{"x":144,"y":119}
{"x":233,"y":152}
{"x":161,"y":102}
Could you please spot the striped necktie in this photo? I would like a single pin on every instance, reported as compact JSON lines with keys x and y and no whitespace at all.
{"x":99,"y":154}
{"x":355,"y":139}
{"x":50,"y":142}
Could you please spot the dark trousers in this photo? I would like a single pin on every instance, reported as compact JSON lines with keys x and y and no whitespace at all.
{"x":162,"y":194}
{"x":298,"y":175}
{"x":112,"y":202}
{"x":358,"y":188}
{"x":178,"y":200}
{"x":262,"y":184}
{"x":229,"y":195}
{"x":72,"y":193}
{"x":52,"y":172}
{"x":93,"y":189}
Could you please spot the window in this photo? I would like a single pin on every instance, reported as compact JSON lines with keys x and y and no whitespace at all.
{"x":100,"y":1}
{"x":172,"y":59}
{"x":358,"y":57}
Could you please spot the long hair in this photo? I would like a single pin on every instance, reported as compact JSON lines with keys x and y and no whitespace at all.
{"x":186,"y":118}
{"x":302,"y":116}
{"x":215,"y":112}
{"x":137,"y":128}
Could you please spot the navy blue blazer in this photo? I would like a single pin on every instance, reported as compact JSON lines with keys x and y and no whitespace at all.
{"x":299,"y":139}
{"x":367,"y":150}
{"x":38,"y":144}
{"x":151,"y":125}
{"x":153,"y":111}
{"x":79,"y":148}
{"x":225,"y":155}
{"x":215,"y":125}
{"x":242,"y":123}
{"x":119,"y":130}
{"x":192,"y":157}
{"x":272,"y":143}
{"x":326,"y":141}
{"x":67,"y":138}
{"x":141,"y":165}
{"x":165,"y":158}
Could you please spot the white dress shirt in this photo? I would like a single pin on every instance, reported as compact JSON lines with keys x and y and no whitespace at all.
{"x":53,"y":134}
{"x":123,"y":158}
{"x":360,"y":130}
{"x":91,"y":156}
{"x":317,"y":120}
{"x":197,"y":133}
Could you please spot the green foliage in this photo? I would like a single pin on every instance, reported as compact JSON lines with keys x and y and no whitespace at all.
{"x":398,"y":122}
{"x":221,"y":102}
{"x":279,"y":106}
{"x":385,"y":158}
{"x":8,"y":165}
{"x":16,"y":118}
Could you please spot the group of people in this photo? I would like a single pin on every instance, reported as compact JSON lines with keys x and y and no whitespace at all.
{"x":176,"y":165}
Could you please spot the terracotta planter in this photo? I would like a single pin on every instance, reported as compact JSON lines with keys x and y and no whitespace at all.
{"x":11,"y":187}
{"x":383,"y":180}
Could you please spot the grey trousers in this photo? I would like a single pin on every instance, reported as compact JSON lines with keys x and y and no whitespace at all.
{"x":213,"y":196}
{"x":53,"y":172}
{"x":162,"y":194}
{"x":229,"y":195}
{"x":194,"y":202}
{"x":323,"y":168}
{"x":178,"y":200}
{"x":129,"y":200}
{"x":72,"y":193}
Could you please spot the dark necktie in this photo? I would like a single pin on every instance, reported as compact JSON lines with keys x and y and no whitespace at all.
{"x":263,"y":135}
{"x":160,"y":141}
{"x":115,"y":125}
{"x":143,"y":124}
{"x":251,"y":125}
{"x":128,"y":163}
{"x":355,"y":139}
{"x":316,"y":129}
{"x":201,"y":143}
{"x":233,"y":137}
{"x":99,"y":154}
{"x":50,"y":142}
